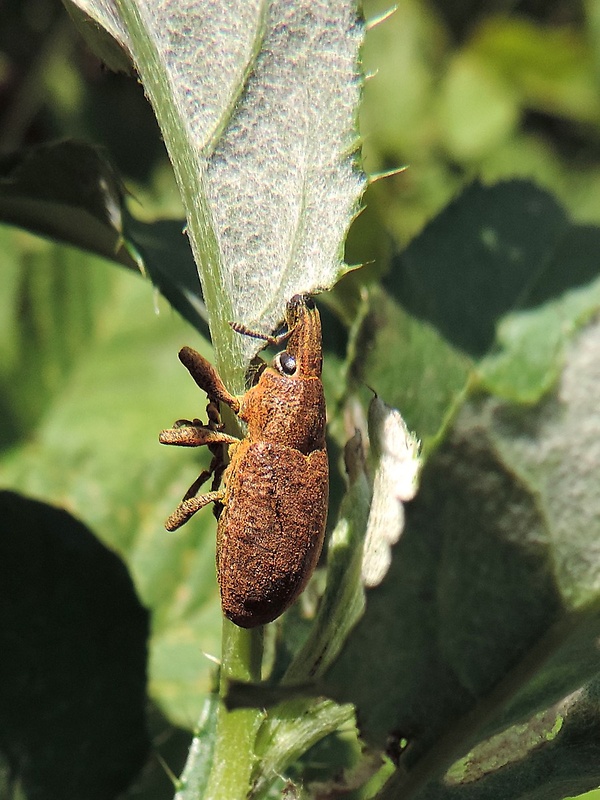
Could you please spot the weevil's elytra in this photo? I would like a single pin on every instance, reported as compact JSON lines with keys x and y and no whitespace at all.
{"x":274,"y":491}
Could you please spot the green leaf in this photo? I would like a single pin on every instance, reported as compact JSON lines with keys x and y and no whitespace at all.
{"x":467,"y":134}
{"x":48,"y":318}
{"x":490,"y":610}
{"x":69,"y":192}
{"x":257,"y":105}
{"x":95,"y":449}
{"x":73,"y":668}
{"x":503,"y":275}
{"x":409,"y":365}
{"x":550,"y":67}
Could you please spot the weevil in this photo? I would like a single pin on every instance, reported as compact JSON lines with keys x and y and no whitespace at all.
{"x":271,"y":498}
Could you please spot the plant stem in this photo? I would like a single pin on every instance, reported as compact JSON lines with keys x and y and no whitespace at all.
{"x":233,"y":760}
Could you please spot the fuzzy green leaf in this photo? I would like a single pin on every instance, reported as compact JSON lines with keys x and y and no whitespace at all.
{"x":257,"y":105}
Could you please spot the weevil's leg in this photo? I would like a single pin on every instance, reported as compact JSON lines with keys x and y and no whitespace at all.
{"x":219,"y":468}
{"x":194,"y":436}
{"x":214,"y":416}
{"x":187,"y":508}
{"x":216,"y":468}
{"x":207,"y":378}
{"x":198,"y":483}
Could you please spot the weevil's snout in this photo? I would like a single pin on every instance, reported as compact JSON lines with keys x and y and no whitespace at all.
{"x":297,"y":307}
{"x":304,"y":343}
{"x":301,"y":301}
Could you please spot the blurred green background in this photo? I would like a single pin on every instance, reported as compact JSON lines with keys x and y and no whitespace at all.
{"x":457,"y":90}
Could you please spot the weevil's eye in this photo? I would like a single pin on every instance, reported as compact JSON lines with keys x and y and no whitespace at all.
{"x":285,"y":363}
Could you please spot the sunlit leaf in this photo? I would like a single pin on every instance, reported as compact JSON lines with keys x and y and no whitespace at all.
{"x":257,"y":105}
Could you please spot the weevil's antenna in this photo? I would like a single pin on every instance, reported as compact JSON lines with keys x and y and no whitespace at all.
{"x":238,"y":327}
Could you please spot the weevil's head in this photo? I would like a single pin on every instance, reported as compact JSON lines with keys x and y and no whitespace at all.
{"x":303,"y":356}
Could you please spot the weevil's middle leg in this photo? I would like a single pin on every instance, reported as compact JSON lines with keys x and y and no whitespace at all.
{"x":187,"y":508}
{"x":199,"y":482}
{"x":216,"y":468}
{"x":185,"y":435}
{"x":198,"y":435}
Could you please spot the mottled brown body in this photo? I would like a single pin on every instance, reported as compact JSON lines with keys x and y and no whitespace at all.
{"x":274,"y":491}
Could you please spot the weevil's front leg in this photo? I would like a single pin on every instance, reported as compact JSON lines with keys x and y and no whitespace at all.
{"x":207,"y":378}
{"x":187,"y":508}
{"x":185,"y":435}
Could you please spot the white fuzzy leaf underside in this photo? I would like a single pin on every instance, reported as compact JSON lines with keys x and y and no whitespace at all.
{"x":260,"y":104}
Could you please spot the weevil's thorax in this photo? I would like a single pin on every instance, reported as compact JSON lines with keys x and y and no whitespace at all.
{"x":286,"y":411}
{"x":287,"y":405}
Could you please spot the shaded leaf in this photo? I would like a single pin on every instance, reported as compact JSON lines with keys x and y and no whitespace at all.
{"x":69,"y":192}
{"x":552,"y":756}
{"x":531,"y":343}
{"x":503,"y":273}
{"x":170,"y":746}
{"x":480,"y":258}
{"x":489,"y":612}
{"x":73,"y":670}
{"x":164,"y":250}
{"x":108,"y":45}
{"x":409,"y":365}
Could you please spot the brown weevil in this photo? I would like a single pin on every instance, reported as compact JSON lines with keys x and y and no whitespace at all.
{"x":271,"y":499}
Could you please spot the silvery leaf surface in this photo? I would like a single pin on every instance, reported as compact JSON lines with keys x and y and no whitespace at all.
{"x":257,"y":104}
